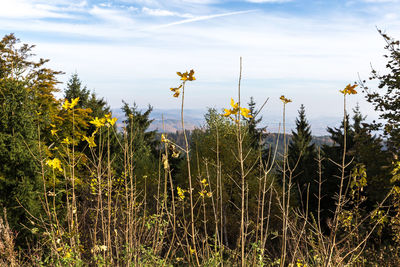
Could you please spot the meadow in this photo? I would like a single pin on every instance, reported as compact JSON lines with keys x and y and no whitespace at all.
{"x":76,"y":190}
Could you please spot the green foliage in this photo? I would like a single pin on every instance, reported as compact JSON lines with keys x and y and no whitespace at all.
{"x":302,"y":155}
{"x":257,"y":134}
{"x":388,"y":103}
{"x":19,"y":180}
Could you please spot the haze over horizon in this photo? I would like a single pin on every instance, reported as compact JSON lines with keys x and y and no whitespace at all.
{"x":131,"y":49}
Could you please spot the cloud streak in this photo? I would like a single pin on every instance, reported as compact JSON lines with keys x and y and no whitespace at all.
{"x":200,"y":18}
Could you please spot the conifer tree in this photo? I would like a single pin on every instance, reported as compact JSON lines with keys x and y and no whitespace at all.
{"x":87,"y":99}
{"x":387,"y":100}
{"x":256,"y":133}
{"x":302,"y":152}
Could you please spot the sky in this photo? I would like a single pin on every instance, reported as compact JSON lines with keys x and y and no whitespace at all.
{"x":131,"y":49}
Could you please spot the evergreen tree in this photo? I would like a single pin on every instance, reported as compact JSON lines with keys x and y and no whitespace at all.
{"x":87,"y":99}
{"x":302,"y":152}
{"x":256,"y":133}
{"x":143,"y":148}
{"x":27,"y":106}
{"x":19,"y":180}
{"x":388,"y":103}
{"x":361,"y":148}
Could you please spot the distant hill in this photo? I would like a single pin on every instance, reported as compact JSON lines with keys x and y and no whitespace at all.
{"x":170,"y":120}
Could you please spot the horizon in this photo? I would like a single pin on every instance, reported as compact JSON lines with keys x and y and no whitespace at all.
{"x":131,"y":49}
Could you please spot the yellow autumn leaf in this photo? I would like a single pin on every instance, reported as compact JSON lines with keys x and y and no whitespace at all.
{"x":74,"y":102}
{"x":66,"y":141}
{"x":90,"y":140}
{"x":349,"y":90}
{"x":66,"y":104}
{"x":53,"y":132}
{"x":233,"y":104}
{"x":245,"y":113}
{"x":54,"y":163}
{"x":285,"y":100}
{"x":181,"y":193}
{"x":97,"y":122}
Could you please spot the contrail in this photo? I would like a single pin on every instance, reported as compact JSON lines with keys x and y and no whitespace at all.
{"x":200,"y":18}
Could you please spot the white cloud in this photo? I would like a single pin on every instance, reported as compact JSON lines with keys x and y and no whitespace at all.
{"x":382,"y":1}
{"x":24,"y":9}
{"x":268,"y":1}
{"x":164,"y":13}
{"x":114,"y":16}
{"x":309,"y":59}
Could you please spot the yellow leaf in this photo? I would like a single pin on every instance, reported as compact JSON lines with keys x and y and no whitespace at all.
{"x":54,"y":132}
{"x":90,"y":140}
{"x":245,"y":112}
{"x":233,"y":104}
{"x":163,"y":139}
{"x":74,"y":102}
{"x":97,"y":122}
{"x":54,"y":163}
{"x":349,"y":90}
{"x":66,"y":141}
{"x":66,"y":104}
{"x":285,"y":100}
{"x":181,"y":193}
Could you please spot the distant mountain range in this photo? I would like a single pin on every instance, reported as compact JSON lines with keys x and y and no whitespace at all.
{"x":170,"y":121}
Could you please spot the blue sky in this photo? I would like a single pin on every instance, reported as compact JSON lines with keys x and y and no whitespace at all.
{"x":131,"y":49}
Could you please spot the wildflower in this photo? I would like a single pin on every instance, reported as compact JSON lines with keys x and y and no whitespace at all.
{"x":349,"y":90}
{"x":176,"y":90}
{"x":90,"y":140}
{"x":54,"y":163}
{"x":204,"y":182}
{"x":181,"y":193}
{"x":66,"y":141}
{"x":285,"y":100}
{"x":209,"y":194}
{"x":53,"y":132}
{"x":187,"y":76}
{"x":98,"y":122}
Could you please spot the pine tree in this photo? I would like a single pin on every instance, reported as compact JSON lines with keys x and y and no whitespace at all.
{"x":87,"y":99}
{"x":303,"y":153}
{"x":256,"y":133}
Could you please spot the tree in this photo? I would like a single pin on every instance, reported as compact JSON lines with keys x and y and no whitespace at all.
{"x":19,"y":180}
{"x":27,"y":101}
{"x":302,"y":154}
{"x":388,"y":103}
{"x":87,"y":99}
{"x":142,"y":147}
{"x":256,"y":133}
